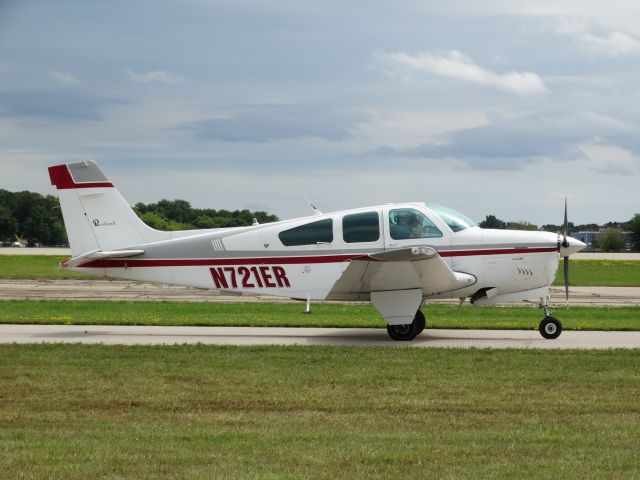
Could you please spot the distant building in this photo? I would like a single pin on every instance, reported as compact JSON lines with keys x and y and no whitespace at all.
{"x":590,"y":239}
{"x":587,"y":238}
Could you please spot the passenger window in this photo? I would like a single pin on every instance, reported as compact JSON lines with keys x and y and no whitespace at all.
{"x":309,"y":234}
{"x":361,"y":227}
{"x":407,"y":223}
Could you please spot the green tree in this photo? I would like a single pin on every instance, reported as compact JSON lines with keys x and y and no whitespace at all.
{"x":155,"y":221}
{"x":522,"y":225}
{"x":180,"y":215}
{"x":36,"y":217}
{"x":634,"y":228}
{"x":611,"y":241}
{"x":205,"y":221}
{"x":492,"y":222}
{"x":8,"y":224}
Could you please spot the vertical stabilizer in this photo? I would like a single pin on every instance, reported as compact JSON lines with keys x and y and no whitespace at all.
{"x":95,"y":215}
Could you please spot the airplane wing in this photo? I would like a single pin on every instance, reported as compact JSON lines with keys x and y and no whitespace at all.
{"x":99,"y":255}
{"x":403,"y":269}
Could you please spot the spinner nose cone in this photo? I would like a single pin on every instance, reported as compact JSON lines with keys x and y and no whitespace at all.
{"x":572,"y":246}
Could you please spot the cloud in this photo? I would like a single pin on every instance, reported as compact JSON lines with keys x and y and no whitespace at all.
{"x":510,"y":143}
{"x":454,"y":64}
{"x":60,"y":104}
{"x":157,"y":76}
{"x":64,"y":77}
{"x":610,"y":159}
{"x":268,"y":123}
{"x":613,"y":43}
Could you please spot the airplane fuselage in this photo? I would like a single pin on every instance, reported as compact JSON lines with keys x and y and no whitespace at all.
{"x":257,"y":260}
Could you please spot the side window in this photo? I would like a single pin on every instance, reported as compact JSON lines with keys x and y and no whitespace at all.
{"x":407,"y":223}
{"x":309,"y":234}
{"x":361,"y":227}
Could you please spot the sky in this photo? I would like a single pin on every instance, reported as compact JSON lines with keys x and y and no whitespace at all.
{"x":486,"y":106}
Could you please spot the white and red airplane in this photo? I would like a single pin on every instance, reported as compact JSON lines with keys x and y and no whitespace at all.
{"x":398,"y":256}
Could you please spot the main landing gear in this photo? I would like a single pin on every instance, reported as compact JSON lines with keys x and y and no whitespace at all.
{"x":408,"y":331}
{"x":550,"y":327}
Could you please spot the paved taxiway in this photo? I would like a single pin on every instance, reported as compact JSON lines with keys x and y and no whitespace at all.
{"x":431,"y":338}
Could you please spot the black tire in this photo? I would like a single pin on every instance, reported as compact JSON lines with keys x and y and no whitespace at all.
{"x":420,"y":322}
{"x":408,"y":331}
{"x":550,"y":328}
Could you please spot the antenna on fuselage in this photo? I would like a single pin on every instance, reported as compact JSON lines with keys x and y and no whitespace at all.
{"x":316,"y":210}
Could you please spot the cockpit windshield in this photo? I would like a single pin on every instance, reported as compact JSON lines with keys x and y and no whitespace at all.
{"x":456,"y":221}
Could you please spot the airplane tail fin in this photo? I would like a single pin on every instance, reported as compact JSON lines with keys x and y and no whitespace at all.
{"x":95,"y":215}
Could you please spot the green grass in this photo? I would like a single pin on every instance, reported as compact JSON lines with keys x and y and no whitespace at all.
{"x":45,"y":267}
{"x":601,"y":273}
{"x":79,"y":411}
{"x":612,"y":273}
{"x":290,"y":315}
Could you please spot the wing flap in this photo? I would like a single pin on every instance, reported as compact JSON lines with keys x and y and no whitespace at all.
{"x":403,"y":269}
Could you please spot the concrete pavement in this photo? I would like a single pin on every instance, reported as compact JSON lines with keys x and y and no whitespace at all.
{"x":430,"y":338}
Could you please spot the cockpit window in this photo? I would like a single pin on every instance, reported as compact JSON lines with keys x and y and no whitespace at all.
{"x":309,"y":234}
{"x":361,"y":227}
{"x":456,"y":221}
{"x":406,"y":223}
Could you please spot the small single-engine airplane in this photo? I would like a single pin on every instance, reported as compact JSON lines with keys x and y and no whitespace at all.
{"x":398,"y":256}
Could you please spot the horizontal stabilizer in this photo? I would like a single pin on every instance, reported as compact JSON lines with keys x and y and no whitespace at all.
{"x":99,"y":255}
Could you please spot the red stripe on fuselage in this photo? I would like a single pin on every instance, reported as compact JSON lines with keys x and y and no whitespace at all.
{"x":62,"y":179}
{"x":198,"y":262}
{"x":499,"y":251}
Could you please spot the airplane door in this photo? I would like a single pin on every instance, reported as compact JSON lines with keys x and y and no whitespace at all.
{"x":408,"y":225}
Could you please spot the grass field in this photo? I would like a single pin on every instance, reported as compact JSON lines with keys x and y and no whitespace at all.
{"x":77,"y":412}
{"x":612,"y":273}
{"x":45,"y":267}
{"x":601,"y":273}
{"x":290,"y":315}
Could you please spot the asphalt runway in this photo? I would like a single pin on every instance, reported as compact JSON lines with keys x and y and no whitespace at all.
{"x":356,"y":337}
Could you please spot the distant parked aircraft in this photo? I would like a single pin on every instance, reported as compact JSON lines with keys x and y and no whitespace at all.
{"x":18,"y":243}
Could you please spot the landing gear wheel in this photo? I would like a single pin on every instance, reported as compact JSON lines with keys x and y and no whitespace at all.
{"x":408,"y":331}
{"x":550,"y":327}
{"x":419,"y":322}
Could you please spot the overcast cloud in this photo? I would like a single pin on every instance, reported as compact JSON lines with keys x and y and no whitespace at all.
{"x":488,"y":106}
{"x":455,"y":64}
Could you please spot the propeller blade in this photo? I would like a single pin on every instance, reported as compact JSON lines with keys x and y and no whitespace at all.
{"x":566,"y":280}
{"x":566,"y":225}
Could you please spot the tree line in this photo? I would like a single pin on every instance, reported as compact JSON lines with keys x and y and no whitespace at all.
{"x":32,"y":217}
{"x":37,"y":219}
{"x":609,"y":237}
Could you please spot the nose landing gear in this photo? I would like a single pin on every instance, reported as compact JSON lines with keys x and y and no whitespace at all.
{"x":550,"y":327}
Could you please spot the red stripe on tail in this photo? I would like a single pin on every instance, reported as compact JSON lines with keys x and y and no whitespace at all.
{"x":62,"y":179}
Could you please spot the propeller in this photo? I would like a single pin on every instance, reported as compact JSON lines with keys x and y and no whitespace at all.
{"x":565,"y":244}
